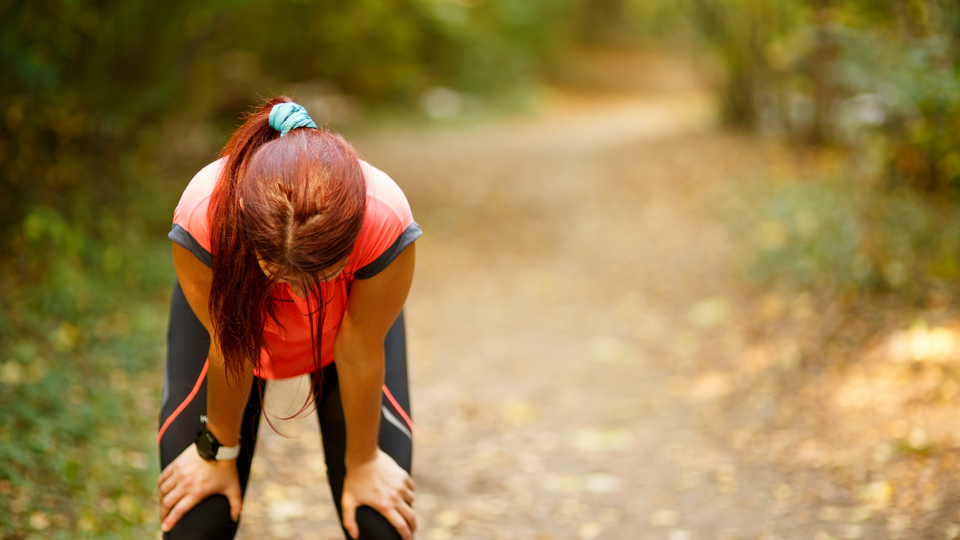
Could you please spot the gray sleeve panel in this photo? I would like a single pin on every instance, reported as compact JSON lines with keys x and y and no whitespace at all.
{"x":407,"y":237}
{"x":180,"y":235}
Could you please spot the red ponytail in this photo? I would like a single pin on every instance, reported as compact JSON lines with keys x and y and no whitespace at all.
{"x":298,"y":203}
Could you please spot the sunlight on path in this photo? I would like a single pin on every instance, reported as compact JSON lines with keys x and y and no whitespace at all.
{"x":597,"y":123}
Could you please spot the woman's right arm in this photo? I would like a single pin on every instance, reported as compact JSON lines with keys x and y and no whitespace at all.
{"x":189,"y":478}
{"x":225,"y":402}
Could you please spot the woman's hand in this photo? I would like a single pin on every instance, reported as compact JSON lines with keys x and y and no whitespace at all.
{"x":384,"y":486}
{"x":190,"y":479}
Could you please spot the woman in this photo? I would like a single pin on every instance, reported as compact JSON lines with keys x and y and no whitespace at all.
{"x":290,"y":252}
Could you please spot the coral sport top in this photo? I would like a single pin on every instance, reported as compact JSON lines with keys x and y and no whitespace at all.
{"x":388,"y":228}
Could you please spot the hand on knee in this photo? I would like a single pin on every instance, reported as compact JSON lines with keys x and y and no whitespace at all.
{"x":384,"y":486}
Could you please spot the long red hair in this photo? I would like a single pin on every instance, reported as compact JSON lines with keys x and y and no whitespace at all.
{"x":297,"y":202}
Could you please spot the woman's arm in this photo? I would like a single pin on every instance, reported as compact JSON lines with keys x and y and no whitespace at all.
{"x":189,"y":478}
{"x":225,"y":401}
{"x":373,"y":478}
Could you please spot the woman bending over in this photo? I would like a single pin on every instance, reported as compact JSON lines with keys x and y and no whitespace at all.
{"x":293,"y":257}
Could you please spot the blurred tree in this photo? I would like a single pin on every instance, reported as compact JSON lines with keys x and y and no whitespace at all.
{"x":899,"y":70}
{"x":879,"y":77}
{"x":87,"y":86}
{"x":604,"y":22}
{"x":823,"y":95}
{"x":755,"y":40}
{"x":84,"y":88}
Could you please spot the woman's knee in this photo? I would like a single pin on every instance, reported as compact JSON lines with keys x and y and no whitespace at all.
{"x":208,"y":520}
{"x":373,"y":526}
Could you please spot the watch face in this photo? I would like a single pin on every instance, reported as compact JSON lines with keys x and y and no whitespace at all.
{"x":207,"y":445}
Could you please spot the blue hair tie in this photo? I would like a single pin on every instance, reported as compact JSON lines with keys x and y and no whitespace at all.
{"x":288,"y":115}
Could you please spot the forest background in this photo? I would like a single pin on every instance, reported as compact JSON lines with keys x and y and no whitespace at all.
{"x":106,"y":106}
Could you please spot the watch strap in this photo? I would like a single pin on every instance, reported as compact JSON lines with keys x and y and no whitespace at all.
{"x":227,"y":452}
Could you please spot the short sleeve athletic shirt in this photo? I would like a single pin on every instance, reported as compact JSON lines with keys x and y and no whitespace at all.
{"x":388,"y":228}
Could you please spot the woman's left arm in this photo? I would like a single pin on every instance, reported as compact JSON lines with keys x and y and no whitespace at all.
{"x":373,"y":478}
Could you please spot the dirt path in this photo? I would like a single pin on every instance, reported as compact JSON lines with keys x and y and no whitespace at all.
{"x":573,"y":310}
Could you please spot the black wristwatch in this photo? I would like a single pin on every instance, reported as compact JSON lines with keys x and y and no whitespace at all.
{"x":210,"y":448}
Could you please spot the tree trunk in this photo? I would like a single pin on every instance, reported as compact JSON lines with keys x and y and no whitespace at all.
{"x":822,"y":83}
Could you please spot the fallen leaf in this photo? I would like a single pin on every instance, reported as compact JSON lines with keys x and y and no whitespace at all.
{"x":426,"y":501}
{"x":829,"y":513}
{"x":852,"y":531}
{"x":439,"y":534}
{"x":285,"y":510}
{"x":664,"y":518}
{"x":518,"y":413}
{"x":876,"y":493}
{"x":273,"y":491}
{"x":601,"y":483}
{"x":589,"y":530}
{"x":447,"y":519}
{"x":601,"y":440}
{"x":711,"y":385}
{"x":562,"y":483}
{"x":709,"y":312}
{"x":608,"y":349}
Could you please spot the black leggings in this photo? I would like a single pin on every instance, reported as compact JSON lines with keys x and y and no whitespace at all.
{"x":185,"y":400}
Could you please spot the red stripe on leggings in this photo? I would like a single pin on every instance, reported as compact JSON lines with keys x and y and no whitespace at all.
{"x":399,"y":409}
{"x":193,"y":393}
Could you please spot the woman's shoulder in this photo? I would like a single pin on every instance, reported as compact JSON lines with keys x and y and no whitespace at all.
{"x":388,"y":225}
{"x":384,"y":196}
{"x":190,"y":227}
{"x":197,"y":193}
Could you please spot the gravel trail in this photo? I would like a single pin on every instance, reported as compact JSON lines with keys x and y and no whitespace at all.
{"x":572,"y":330}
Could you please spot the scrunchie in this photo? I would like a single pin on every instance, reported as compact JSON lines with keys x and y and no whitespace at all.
{"x":288,"y":115}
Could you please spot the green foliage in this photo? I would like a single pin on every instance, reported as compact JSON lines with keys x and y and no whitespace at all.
{"x":793,"y":65}
{"x":84,"y":85}
{"x":87,"y":86}
{"x":498,"y":45}
{"x":836,"y":237}
{"x":907,"y":106}
{"x":881,"y":80}
{"x":79,"y":361}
